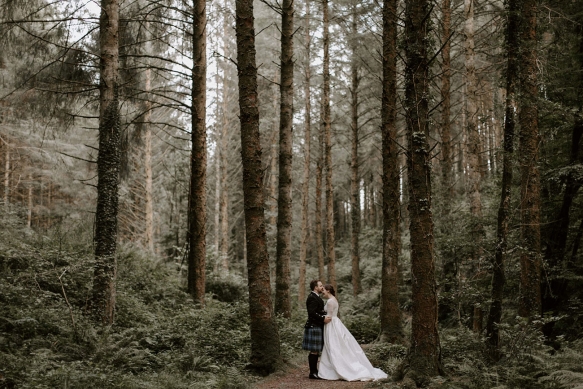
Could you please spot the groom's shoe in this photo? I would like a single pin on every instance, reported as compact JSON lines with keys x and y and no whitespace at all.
{"x":314,"y":377}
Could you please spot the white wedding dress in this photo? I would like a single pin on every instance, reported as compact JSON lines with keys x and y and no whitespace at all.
{"x":342,"y":357}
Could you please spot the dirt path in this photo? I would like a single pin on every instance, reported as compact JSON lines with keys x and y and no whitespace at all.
{"x":297,"y":378}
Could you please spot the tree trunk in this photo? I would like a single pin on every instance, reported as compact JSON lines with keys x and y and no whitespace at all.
{"x":306,"y":177}
{"x":326,"y":124}
{"x":149,"y":233}
{"x":446,"y":161}
{"x":354,"y":176}
{"x":197,"y":199}
{"x":7,"y":177}
{"x":265,"y":349}
{"x":391,"y":327}
{"x":558,"y":230}
{"x":224,"y":141}
{"x":108,"y":166}
{"x":498,"y":274}
{"x":217,"y":237}
{"x":446,"y":147}
{"x":473,"y":155}
{"x":424,"y":357}
{"x":530,"y":261}
{"x":29,"y":207}
{"x":318,"y":213}
{"x":284,"y":200}
{"x":224,"y":199}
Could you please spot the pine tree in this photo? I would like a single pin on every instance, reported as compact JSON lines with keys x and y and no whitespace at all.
{"x":108,"y":166}
{"x":265,"y":349}
{"x":391,"y":328}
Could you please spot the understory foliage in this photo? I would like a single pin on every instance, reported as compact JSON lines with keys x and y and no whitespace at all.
{"x":159,"y":338}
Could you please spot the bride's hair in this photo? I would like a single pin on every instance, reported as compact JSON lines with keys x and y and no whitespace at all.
{"x":330,"y":289}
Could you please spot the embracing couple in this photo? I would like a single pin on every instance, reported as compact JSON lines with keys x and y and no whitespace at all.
{"x":342,"y":356}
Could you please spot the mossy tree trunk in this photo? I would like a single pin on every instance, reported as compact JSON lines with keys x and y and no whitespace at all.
{"x":284,"y":199}
{"x":530,"y":258}
{"x":265,"y":349}
{"x":197,"y":196}
{"x":424,"y":357}
{"x":326,"y":126}
{"x":391,"y":327}
{"x":473,"y":147}
{"x":354,"y":175}
{"x":498,"y":273}
{"x":306,"y":173}
{"x":108,"y":166}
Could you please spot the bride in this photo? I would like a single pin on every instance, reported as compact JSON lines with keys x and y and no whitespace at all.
{"x":342,"y":357}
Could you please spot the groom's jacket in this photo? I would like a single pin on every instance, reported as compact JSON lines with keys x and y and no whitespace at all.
{"x":316,"y":313}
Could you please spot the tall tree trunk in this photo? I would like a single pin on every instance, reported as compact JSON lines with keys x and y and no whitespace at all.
{"x":224,"y":201}
{"x":473,"y":157}
{"x":498,"y":274}
{"x":29,"y":207}
{"x":108,"y":166}
{"x":391,"y":327}
{"x":149,"y":232}
{"x":558,"y":230}
{"x":446,"y":161}
{"x":217,"y":235}
{"x":424,"y":357}
{"x":530,"y":261}
{"x":224,"y":196}
{"x":265,"y":349}
{"x":326,"y":124}
{"x":284,"y":200}
{"x":197,"y":199}
{"x":318,"y":213}
{"x":224,"y":161}
{"x":306,"y":177}
{"x":446,"y":147}
{"x":217,"y":161}
{"x":7,"y":176}
{"x":354,"y":175}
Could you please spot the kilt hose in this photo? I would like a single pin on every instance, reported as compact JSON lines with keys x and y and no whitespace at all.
{"x":313,"y":339}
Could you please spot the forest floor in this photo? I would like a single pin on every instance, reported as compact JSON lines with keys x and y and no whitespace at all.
{"x":296,"y":377}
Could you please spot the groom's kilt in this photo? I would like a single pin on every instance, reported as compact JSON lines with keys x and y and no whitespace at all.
{"x":313,"y":339}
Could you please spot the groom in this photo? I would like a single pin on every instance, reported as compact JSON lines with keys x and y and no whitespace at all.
{"x":314,"y":329}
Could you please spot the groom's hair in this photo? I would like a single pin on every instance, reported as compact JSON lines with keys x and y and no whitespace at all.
{"x":313,"y":284}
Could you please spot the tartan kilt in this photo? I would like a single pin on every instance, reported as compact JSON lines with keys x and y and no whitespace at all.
{"x":313,"y":339}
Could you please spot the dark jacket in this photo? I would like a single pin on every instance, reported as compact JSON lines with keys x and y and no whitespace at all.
{"x":316,"y":313}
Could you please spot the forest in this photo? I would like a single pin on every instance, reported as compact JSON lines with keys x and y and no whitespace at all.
{"x":176,"y":172}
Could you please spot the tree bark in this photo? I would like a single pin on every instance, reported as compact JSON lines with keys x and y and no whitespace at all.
{"x":473,"y":156}
{"x":224,"y":161}
{"x":391,"y":327}
{"x":446,"y":161}
{"x":108,"y":166}
{"x":197,"y":199}
{"x":530,"y":260}
{"x":326,"y":124}
{"x":558,"y":229}
{"x":149,"y":232}
{"x":498,"y":273}
{"x":354,"y":175}
{"x":7,"y":176}
{"x":284,"y":200}
{"x":306,"y":174}
{"x":318,"y":213}
{"x":424,"y":357}
{"x":265,"y":349}
{"x":29,"y":207}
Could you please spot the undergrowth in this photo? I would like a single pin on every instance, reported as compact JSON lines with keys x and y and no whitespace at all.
{"x":159,"y":339}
